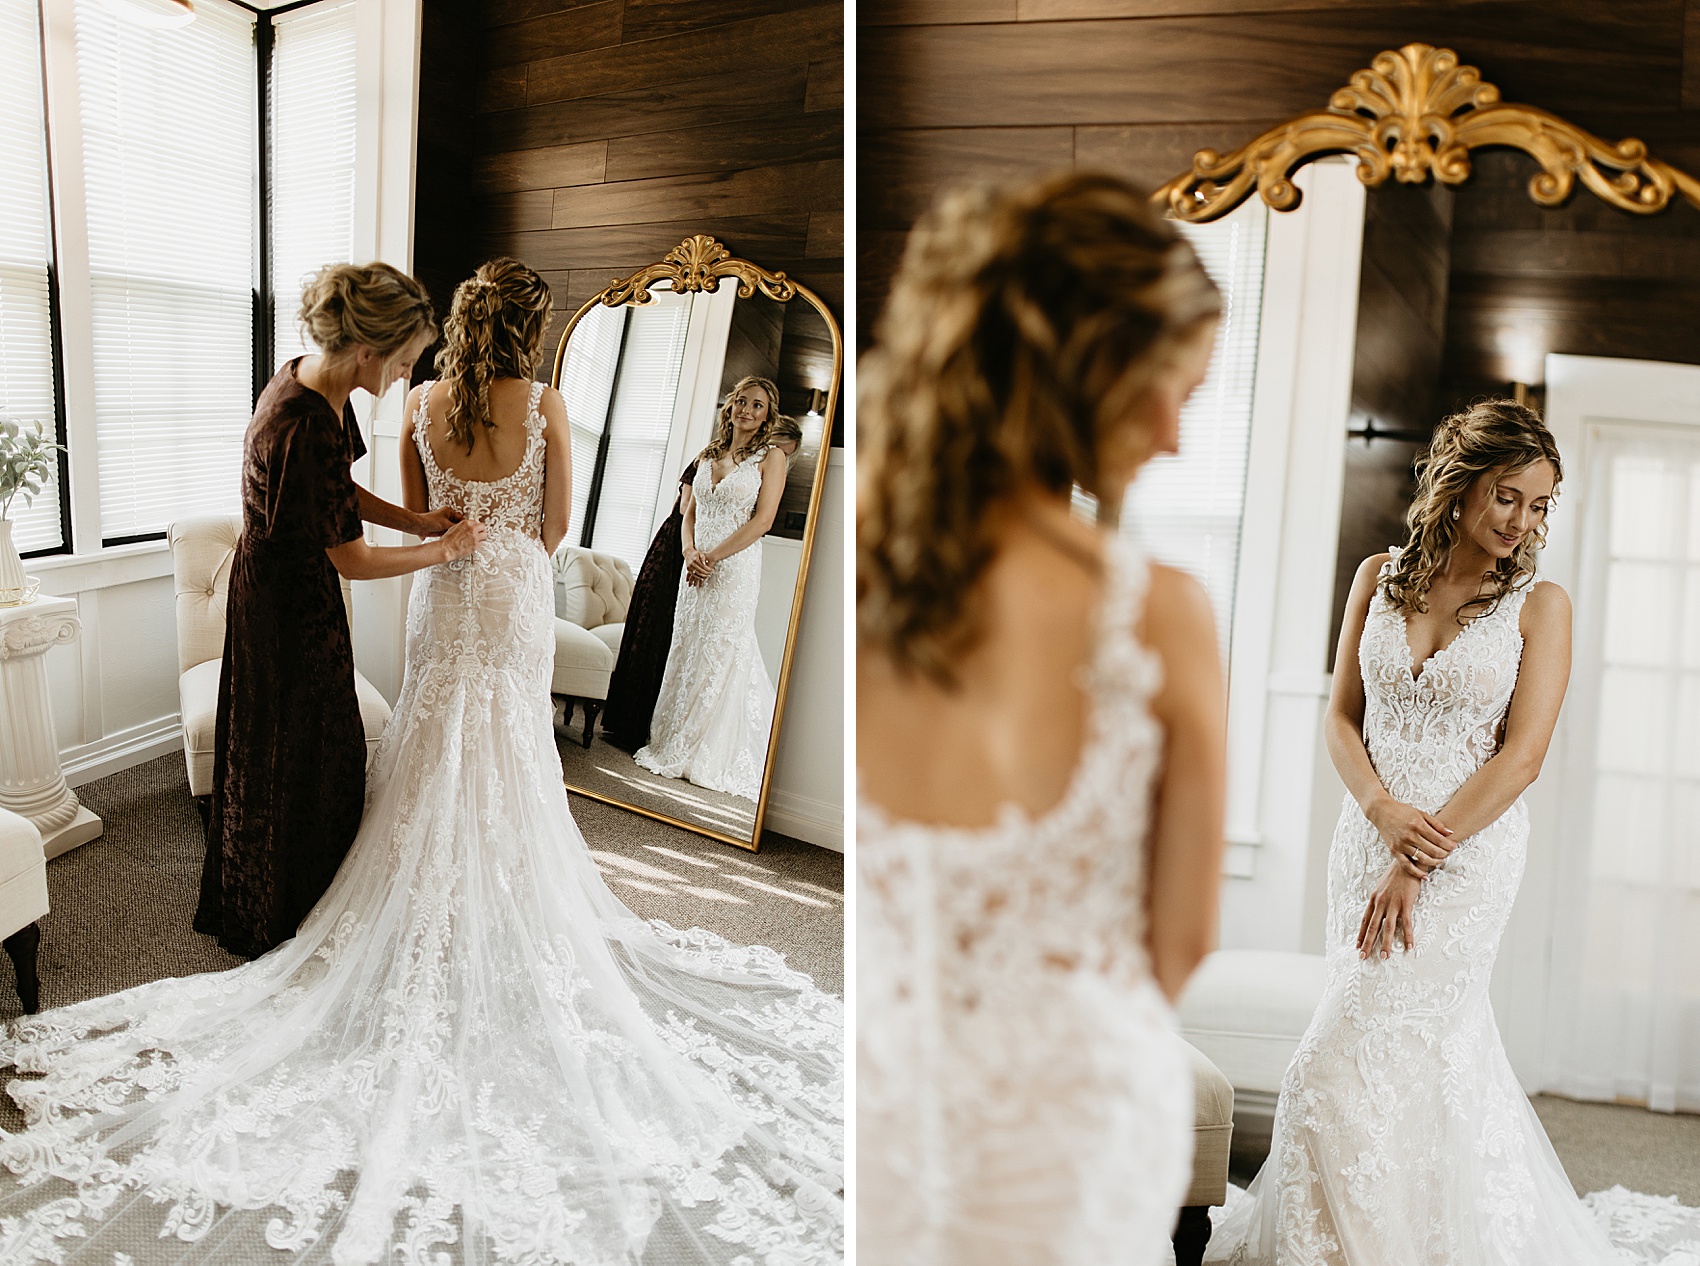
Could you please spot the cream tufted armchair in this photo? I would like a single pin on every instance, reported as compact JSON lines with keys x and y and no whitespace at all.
{"x":201,"y":552}
{"x":592,"y":592}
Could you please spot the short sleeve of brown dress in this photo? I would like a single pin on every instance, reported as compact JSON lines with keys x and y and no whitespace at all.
{"x":289,"y":767}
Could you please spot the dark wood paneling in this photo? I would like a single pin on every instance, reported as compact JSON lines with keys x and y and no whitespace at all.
{"x":766,"y":142}
{"x":571,"y":30}
{"x":656,"y":107}
{"x":655,"y":19}
{"x":607,"y":131}
{"x":738,"y":48}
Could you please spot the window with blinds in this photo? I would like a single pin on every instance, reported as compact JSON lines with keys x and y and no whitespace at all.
{"x":587,"y":387}
{"x":169,"y":143}
{"x":639,"y":421}
{"x":311,"y":95}
{"x":1185,"y":508}
{"x":27,"y":394}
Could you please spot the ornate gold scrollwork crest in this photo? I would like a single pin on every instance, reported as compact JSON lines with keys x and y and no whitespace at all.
{"x":698,"y":263}
{"x":1412,"y":113}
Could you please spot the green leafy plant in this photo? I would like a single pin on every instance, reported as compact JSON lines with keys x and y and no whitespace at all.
{"x":26,"y":462}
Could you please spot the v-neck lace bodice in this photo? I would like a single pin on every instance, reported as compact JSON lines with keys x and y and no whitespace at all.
{"x":1428,"y":731}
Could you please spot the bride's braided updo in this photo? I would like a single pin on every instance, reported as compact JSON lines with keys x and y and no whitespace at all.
{"x":1023,"y":330}
{"x":494,"y":329}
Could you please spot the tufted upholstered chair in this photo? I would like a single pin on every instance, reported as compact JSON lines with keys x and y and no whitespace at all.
{"x":1212,"y":1136}
{"x":23,"y":899}
{"x":592,"y":592}
{"x":202,"y":549}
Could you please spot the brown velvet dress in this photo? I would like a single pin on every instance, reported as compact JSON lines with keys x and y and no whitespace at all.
{"x":289,"y":767}
{"x":636,"y":683}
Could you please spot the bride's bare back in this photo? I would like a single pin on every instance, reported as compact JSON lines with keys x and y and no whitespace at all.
{"x":497,"y":449}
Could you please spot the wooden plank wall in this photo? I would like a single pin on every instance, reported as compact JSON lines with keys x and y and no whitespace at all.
{"x":612,"y":130}
{"x":955,"y":90}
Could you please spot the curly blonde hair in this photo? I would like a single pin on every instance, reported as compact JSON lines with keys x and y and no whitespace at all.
{"x":494,"y":329}
{"x":1022,"y":330}
{"x":1491,"y":438}
{"x":720,"y":443}
{"x":372,"y":305}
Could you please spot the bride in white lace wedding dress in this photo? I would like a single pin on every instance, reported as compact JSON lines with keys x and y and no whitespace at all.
{"x":715,"y":710}
{"x":1039,"y":719}
{"x":471,"y":1051}
{"x":1402,"y":1136}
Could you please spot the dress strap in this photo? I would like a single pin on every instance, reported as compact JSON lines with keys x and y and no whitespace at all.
{"x":1119,"y":654}
{"x":534,"y":412}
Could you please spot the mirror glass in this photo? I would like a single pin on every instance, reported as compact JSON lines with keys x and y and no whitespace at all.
{"x":668,"y":684}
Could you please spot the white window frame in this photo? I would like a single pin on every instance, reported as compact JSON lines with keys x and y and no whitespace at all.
{"x":386,"y":131}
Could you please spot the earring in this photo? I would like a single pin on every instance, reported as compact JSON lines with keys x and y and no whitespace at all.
{"x":1454,"y":513}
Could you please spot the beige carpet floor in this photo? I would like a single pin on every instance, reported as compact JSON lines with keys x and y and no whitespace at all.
{"x":1602,"y":1145}
{"x":121,"y":905}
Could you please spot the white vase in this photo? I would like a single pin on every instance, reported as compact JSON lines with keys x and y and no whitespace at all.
{"x":11,"y":566}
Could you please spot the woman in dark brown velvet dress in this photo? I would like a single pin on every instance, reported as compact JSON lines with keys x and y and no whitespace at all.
{"x":290,"y":763}
{"x":636,"y":682}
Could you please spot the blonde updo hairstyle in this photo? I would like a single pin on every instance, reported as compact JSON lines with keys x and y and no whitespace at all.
{"x":1491,"y":438}
{"x":1023,"y":331}
{"x":782,"y":429}
{"x":372,"y":305}
{"x":495,"y":329}
{"x":720,"y":443}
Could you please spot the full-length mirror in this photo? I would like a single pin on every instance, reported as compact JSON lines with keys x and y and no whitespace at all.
{"x":1454,"y":256}
{"x":700,"y":392}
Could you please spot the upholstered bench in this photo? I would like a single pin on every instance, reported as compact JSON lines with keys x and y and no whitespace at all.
{"x":1247,"y":1010}
{"x":1213,"y":1133}
{"x":23,"y":899}
{"x":592,"y":592}
{"x":201,"y":552}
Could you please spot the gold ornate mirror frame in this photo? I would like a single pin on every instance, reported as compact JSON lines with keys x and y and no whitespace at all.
{"x":1414,"y":113}
{"x":700,"y":263}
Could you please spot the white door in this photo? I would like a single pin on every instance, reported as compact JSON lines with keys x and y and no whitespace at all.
{"x":1599,"y":987}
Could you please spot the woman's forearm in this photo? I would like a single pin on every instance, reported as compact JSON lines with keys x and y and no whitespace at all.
{"x":1351,"y":759}
{"x":374,"y":509}
{"x":356,"y":560}
{"x":741,"y":540}
{"x":1486,"y":795}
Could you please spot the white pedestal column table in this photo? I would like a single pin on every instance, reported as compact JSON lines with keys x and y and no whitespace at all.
{"x":31,"y":781}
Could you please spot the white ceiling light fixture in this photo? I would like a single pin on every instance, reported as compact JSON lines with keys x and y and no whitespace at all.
{"x":154,"y":13}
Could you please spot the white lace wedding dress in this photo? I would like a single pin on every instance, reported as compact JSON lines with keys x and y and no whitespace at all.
{"x":471,"y":1052}
{"x":715,"y":710}
{"x":1022,"y":1099}
{"x":1402,"y":1137}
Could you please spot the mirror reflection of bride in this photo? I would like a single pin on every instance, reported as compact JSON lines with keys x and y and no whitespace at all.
{"x":715,"y":709}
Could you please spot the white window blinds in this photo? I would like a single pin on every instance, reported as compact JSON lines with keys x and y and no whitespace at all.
{"x":169,"y":146}
{"x":26,"y":324}
{"x":1185,"y":509}
{"x":638,"y":425}
{"x":587,"y":385}
{"x":312,"y":99}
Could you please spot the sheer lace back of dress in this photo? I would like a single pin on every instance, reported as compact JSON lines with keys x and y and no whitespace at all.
{"x":513,"y":502}
{"x":1021,"y":1098}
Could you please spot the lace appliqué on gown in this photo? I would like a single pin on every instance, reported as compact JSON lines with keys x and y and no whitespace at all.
{"x":471,"y":1051}
{"x":715,"y":710}
{"x":1402,"y":1137}
{"x":1022,"y":1098}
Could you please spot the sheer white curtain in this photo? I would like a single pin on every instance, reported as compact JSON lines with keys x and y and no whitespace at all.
{"x":1626,"y":951}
